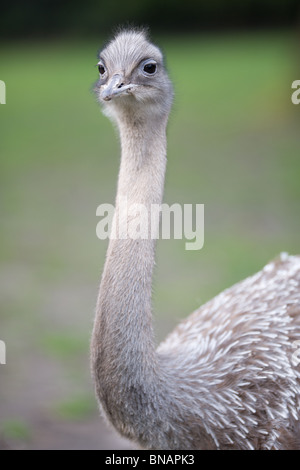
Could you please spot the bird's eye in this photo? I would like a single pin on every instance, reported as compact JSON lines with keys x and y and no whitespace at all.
{"x":150,"y":68}
{"x":101,"y":69}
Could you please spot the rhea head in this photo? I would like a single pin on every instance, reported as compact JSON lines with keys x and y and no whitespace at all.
{"x":132,"y":77}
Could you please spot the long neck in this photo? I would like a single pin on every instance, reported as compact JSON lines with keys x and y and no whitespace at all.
{"x":126,"y":370}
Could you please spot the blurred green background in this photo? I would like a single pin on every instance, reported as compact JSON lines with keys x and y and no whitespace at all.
{"x":233,"y":145}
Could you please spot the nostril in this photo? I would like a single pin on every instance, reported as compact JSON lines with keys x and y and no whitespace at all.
{"x":121,"y":84}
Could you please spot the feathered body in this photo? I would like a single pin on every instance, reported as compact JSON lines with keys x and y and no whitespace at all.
{"x":227,"y":377}
{"x":238,"y":352}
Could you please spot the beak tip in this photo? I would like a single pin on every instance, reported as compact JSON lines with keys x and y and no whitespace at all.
{"x":116,"y":87}
{"x":112,"y":87}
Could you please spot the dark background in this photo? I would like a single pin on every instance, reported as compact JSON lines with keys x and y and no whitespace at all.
{"x":87,"y":18}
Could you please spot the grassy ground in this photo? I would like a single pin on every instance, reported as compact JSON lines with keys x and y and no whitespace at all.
{"x":233,"y":146}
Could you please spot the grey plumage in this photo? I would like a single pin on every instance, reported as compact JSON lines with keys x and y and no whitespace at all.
{"x":225,"y":377}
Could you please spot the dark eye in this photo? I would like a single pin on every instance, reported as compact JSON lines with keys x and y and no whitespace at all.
{"x":101,"y":69}
{"x":150,"y":68}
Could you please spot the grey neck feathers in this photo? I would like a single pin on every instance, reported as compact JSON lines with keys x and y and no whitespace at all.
{"x":129,"y":379}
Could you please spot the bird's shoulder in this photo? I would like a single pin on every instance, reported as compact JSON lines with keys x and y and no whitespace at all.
{"x":262,"y":304}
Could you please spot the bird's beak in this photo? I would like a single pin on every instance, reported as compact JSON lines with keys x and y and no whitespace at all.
{"x":115,"y":87}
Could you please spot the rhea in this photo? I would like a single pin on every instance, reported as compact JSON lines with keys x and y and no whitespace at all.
{"x":225,"y":378}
